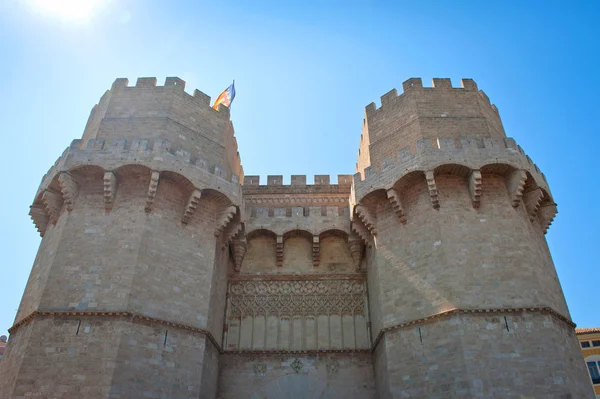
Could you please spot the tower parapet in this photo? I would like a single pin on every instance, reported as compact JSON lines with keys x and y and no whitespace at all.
{"x":438,"y":112}
{"x":151,"y":112}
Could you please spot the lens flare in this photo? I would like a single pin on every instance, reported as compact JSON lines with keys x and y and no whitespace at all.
{"x":68,"y":10}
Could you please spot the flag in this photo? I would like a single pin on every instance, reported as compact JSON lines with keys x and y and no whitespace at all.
{"x":225,"y":98}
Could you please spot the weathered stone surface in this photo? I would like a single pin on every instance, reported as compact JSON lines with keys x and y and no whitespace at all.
{"x":426,"y":275}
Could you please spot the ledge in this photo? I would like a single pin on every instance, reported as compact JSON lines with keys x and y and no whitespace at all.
{"x":452,"y":312}
{"x":133,"y":317}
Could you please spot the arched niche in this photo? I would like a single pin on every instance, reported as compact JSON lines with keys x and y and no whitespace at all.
{"x":297,"y":251}
{"x":261,"y":252}
{"x":334,"y":252}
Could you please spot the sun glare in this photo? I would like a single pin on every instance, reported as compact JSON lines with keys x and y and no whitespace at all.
{"x":68,"y":10}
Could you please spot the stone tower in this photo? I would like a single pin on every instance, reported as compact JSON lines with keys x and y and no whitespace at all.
{"x":163,"y":272}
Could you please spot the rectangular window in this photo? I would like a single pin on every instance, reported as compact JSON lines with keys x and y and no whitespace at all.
{"x":595,"y":343}
{"x":585,"y":344}
{"x":593,"y":367}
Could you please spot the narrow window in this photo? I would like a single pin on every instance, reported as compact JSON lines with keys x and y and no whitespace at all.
{"x":585,"y":344}
{"x":593,"y":367}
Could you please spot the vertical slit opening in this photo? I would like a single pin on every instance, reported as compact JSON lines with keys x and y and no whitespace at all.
{"x":78,"y":326}
{"x":506,"y":324}
{"x":166,"y":334}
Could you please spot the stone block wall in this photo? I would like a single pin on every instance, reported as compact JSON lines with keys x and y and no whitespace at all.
{"x":421,"y":112}
{"x":318,"y":376}
{"x":504,"y":355}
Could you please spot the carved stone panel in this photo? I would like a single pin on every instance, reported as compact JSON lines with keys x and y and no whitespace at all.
{"x":297,"y":314}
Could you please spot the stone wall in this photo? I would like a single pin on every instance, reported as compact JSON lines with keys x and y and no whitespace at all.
{"x":318,"y":376}
{"x":511,"y":355}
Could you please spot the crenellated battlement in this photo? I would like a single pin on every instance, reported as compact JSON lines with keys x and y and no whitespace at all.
{"x":428,"y":154}
{"x":439,"y":85}
{"x":151,"y":112}
{"x":170,"y":82}
{"x":441,"y":111}
{"x":276,"y":181}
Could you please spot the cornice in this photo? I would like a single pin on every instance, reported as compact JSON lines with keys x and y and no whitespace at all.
{"x":296,"y":277}
{"x":132,"y":317}
{"x":455,"y":311}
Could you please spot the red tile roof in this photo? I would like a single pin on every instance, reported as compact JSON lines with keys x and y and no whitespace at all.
{"x":580,"y":331}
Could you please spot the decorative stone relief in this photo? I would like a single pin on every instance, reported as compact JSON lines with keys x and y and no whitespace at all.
{"x":333,"y":366}
{"x":260,"y":369}
{"x":296,"y":365}
{"x":297,"y":297}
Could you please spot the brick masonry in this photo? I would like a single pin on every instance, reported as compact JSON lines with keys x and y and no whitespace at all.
{"x":164,"y":272}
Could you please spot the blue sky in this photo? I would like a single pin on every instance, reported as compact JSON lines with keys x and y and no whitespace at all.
{"x":304,"y":72}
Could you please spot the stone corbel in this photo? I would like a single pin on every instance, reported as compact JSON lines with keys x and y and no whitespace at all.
{"x":69,"y":189}
{"x":279,"y":251}
{"x":432,"y":187}
{"x":366,"y":217}
{"x":316,"y":251}
{"x":152,"y":187}
{"x":516,"y":183}
{"x":190,"y":207}
{"x":239,"y":251}
{"x":110,"y":189}
{"x":355,"y":245}
{"x":475,"y":188}
{"x":232,"y":230}
{"x":224,"y":218}
{"x":547,"y":214}
{"x":359,"y":228}
{"x":532,"y":200}
{"x":396,"y":203}
{"x":53,"y":203}
{"x":40,"y":218}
